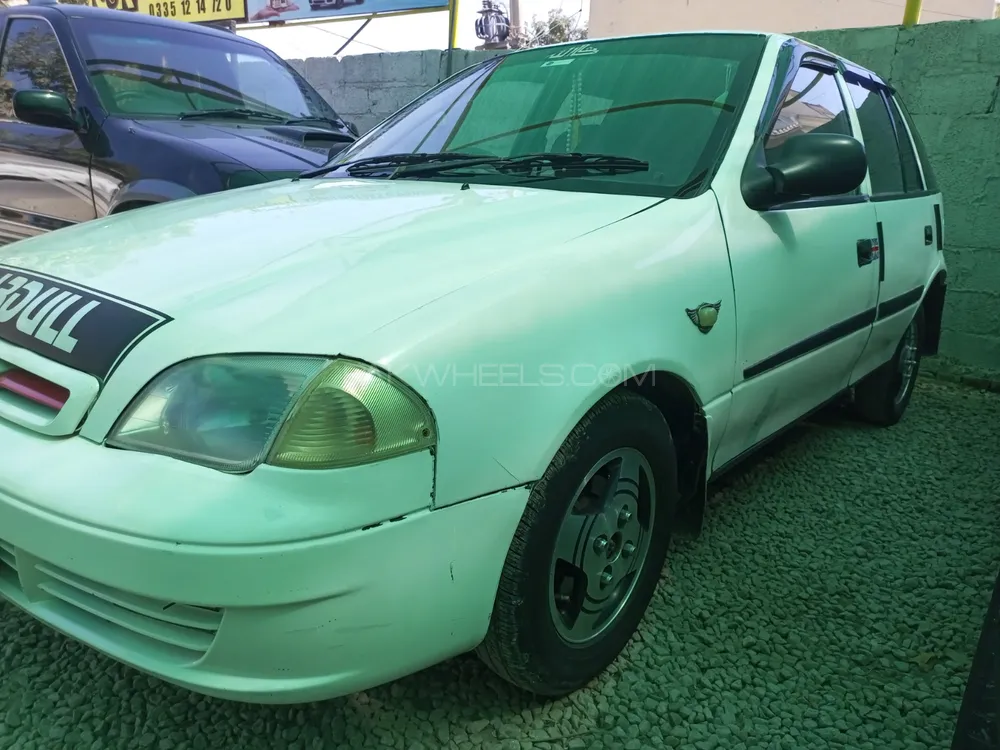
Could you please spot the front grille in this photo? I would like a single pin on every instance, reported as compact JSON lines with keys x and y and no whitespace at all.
{"x":42,"y":395}
{"x":26,"y":391}
{"x":181,"y":633}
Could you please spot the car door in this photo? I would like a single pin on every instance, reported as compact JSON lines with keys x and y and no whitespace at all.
{"x":44,"y":171}
{"x":805,"y":277}
{"x":908,"y":210}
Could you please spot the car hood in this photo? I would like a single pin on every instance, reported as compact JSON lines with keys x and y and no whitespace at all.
{"x":306,"y":266}
{"x":266,"y":148}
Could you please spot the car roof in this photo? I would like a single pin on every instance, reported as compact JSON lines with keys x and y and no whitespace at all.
{"x":106,"y":14}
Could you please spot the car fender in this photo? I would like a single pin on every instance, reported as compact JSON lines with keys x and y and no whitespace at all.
{"x":148,"y":191}
{"x":511,"y":363}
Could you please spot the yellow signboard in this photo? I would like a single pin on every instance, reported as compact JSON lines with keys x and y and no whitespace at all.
{"x":181,"y":10}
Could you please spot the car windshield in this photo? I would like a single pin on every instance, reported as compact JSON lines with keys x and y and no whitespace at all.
{"x":670,"y":101}
{"x":151,"y":70}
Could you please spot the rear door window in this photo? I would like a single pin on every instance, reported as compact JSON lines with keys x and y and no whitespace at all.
{"x":912,"y":181}
{"x":930,"y":180}
{"x":884,"y":164}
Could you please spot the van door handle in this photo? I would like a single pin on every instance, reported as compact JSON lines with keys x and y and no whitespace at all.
{"x":928,"y":235}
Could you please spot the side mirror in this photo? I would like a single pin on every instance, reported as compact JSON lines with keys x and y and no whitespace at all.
{"x":811,"y":165}
{"x":47,"y":108}
{"x":353,"y":128}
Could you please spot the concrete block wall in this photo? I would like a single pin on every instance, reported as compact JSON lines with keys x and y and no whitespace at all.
{"x":948,"y":74}
{"x":368,"y":88}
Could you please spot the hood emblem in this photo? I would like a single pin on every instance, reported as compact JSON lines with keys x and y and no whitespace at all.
{"x":704,"y":315}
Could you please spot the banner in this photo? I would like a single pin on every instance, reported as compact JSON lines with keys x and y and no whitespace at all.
{"x":302,"y":10}
{"x":196,"y":11}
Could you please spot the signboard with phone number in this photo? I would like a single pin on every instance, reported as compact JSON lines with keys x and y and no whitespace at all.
{"x":181,"y":10}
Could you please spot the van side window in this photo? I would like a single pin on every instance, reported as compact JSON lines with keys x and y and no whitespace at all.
{"x":32,"y":59}
{"x":813,"y":104}
{"x":884,"y":164}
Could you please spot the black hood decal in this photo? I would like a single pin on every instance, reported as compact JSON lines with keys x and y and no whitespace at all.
{"x":69,"y":323}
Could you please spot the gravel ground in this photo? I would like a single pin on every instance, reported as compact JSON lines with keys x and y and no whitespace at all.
{"x":835,"y":600}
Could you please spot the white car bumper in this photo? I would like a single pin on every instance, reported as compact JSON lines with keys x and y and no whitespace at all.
{"x":275,"y":622}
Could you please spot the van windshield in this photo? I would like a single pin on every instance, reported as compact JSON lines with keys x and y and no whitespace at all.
{"x":670,"y":101}
{"x":147,"y":70}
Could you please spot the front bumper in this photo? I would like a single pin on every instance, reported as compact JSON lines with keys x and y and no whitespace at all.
{"x":280,"y":622}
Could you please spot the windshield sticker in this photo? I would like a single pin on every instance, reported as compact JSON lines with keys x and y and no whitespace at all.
{"x":578,"y":51}
{"x":569,"y":55}
{"x":71,"y":324}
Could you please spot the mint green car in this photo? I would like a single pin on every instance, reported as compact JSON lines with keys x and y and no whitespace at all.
{"x":458,"y":389}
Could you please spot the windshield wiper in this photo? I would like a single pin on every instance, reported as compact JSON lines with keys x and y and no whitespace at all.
{"x":577,"y":162}
{"x":530,"y":165}
{"x":325,"y":120}
{"x":389,"y":162}
{"x":407,"y":165}
{"x":240,"y":113}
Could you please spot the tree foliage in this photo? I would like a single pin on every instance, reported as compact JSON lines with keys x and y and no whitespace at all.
{"x":555,"y":28}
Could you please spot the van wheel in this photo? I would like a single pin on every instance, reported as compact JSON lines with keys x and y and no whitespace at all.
{"x":882,"y":397}
{"x":586,"y":558}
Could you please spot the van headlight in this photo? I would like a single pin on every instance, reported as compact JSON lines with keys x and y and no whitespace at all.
{"x":235,"y":412}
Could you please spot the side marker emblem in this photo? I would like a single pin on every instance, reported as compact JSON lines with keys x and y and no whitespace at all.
{"x":704,"y":315}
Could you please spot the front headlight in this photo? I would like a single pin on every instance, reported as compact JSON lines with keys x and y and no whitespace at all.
{"x":234,"y":412}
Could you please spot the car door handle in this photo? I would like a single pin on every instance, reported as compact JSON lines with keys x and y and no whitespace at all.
{"x":928,"y":235}
{"x":868,"y":251}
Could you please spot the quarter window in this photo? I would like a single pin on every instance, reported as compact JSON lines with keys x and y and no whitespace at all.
{"x":814,"y":104}
{"x":32,"y":59}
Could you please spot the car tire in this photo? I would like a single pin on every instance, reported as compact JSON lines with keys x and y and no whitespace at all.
{"x":531,"y":640}
{"x":882,"y":397}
